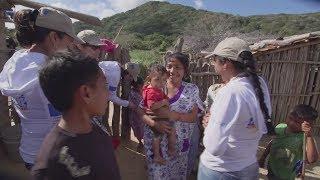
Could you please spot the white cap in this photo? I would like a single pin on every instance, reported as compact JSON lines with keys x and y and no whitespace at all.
{"x":89,"y":37}
{"x":56,"y":20}
{"x":230,"y":48}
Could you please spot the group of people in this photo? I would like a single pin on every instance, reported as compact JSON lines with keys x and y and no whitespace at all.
{"x":60,"y":86}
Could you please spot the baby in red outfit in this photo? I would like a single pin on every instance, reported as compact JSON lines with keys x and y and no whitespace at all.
{"x":157,"y":107}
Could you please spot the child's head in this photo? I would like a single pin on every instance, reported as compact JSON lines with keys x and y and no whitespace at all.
{"x":157,"y":76}
{"x":74,"y":82}
{"x":298,"y":115}
{"x":137,"y":85}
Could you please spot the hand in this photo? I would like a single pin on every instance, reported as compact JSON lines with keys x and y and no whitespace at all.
{"x":205,"y":120}
{"x":306,"y":128}
{"x":162,"y":127}
{"x":165,"y":102}
{"x":174,"y":115}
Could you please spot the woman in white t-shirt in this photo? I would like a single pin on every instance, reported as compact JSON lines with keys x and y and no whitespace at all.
{"x":239,"y":116}
{"x":46,"y":31}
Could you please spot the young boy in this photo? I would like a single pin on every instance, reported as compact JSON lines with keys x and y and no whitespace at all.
{"x":286,"y":150}
{"x":75,"y":148}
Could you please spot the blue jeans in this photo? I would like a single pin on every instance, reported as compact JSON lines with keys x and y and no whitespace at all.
{"x":249,"y":173}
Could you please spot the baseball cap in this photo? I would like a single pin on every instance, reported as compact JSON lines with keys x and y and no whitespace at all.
{"x":108,"y":45}
{"x":56,"y":20}
{"x":90,"y":37}
{"x":133,"y":69}
{"x":230,"y":48}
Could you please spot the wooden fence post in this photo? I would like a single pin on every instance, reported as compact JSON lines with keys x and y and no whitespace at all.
{"x":4,"y":110}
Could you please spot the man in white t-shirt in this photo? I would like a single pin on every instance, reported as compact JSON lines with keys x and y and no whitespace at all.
{"x":112,"y":69}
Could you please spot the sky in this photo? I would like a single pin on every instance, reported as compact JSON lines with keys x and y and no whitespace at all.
{"x":105,"y":8}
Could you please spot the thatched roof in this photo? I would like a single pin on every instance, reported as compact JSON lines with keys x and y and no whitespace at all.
{"x":271,"y":44}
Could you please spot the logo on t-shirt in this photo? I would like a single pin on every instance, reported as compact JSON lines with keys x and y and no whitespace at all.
{"x":251,"y":124}
{"x":21,"y":102}
{"x":71,"y":165}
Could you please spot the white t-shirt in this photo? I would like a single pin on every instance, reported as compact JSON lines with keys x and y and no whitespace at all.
{"x":112,"y":71}
{"x":235,"y":127}
{"x":19,"y":80}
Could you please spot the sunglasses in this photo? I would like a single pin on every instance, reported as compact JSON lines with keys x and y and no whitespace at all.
{"x":92,"y":46}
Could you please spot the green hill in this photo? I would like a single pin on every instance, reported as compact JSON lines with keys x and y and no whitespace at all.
{"x":155,"y":25}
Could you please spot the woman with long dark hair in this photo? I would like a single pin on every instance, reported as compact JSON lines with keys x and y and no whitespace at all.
{"x":185,"y":101}
{"x":239,"y":116}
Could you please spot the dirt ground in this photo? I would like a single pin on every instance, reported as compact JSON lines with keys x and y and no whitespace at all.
{"x":133,"y":167}
{"x":132,"y":163}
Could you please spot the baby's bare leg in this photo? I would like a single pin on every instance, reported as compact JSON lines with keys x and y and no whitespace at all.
{"x":172,"y":139}
{"x":156,"y":151}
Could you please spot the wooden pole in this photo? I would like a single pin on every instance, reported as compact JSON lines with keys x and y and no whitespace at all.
{"x":125,"y":124}
{"x":115,"y":38}
{"x":304,"y":157}
{"x":82,"y":17}
{"x":4,"y":110}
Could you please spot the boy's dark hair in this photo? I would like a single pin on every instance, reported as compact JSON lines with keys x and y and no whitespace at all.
{"x":303,"y":111}
{"x":63,"y":75}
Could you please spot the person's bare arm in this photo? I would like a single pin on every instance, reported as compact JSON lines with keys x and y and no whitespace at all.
{"x":159,"y":126}
{"x":187,"y":117}
{"x":159,"y":104}
{"x":312,"y":153}
{"x":205,"y":120}
{"x":311,"y":150}
{"x":264,"y":155}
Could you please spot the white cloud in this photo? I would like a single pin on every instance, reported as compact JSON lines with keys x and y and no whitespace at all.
{"x":198,"y":3}
{"x":107,"y":13}
{"x":125,"y":5}
{"x":67,"y":6}
{"x":98,"y":9}
{"x":61,"y":5}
